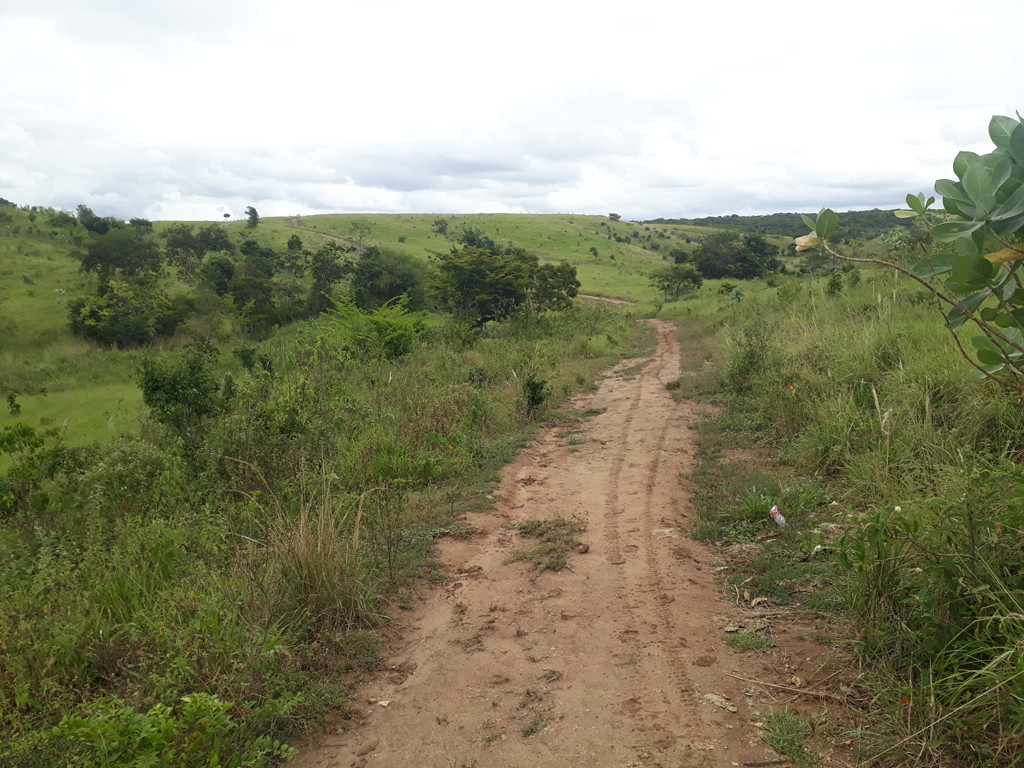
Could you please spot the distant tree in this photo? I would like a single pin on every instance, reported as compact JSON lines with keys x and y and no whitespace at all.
{"x":359,"y":230}
{"x":728,"y":254}
{"x":259,"y":258}
{"x":214,"y":238}
{"x":328,"y":265}
{"x":482,"y":285}
{"x":679,"y":255}
{"x":676,"y":280}
{"x":553,"y":287}
{"x":216,"y":273}
{"x":593,"y":250}
{"x":141,"y":224}
{"x":183,"y":249}
{"x":253,"y":218}
{"x":181,"y":390}
{"x":62,"y":219}
{"x":96,"y":224}
{"x":381,"y":275}
{"x":131,"y":253}
{"x":252,"y":296}
{"x":441,"y":227}
{"x":490,"y":283}
{"x":126,"y":314}
{"x":474,"y":237}
{"x":295,"y":244}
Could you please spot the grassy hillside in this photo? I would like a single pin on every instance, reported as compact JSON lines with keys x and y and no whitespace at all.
{"x":86,"y":391}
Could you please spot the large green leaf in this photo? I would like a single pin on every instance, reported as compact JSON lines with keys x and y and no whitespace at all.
{"x":938,"y":264}
{"x":963,"y":161}
{"x":1001,"y":174}
{"x":978,"y":182}
{"x":990,"y":357}
{"x":956,"y":318}
{"x":1017,"y":144}
{"x":972,"y":302}
{"x":948,"y":188}
{"x":971,"y":271}
{"x":826,"y":224}
{"x":808,"y":221}
{"x":1011,"y":207}
{"x":1008,"y":227}
{"x":951,"y":230}
{"x":999,"y":130}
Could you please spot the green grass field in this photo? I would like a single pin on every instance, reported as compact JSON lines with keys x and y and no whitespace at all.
{"x":87,"y":391}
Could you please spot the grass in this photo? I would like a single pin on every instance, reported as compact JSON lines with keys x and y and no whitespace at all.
{"x":558,"y":538}
{"x":786,"y":732}
{"x":749,"y":641}
{"x":253,"y":569}
{"x":899,"y":477}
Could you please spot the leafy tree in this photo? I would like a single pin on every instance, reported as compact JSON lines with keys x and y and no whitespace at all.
{"x":360,"y":230}
{"x":295,"y":244}
{"x":96,"y":224}
{"x":679,"y":255}
{"x":474,"y":237}
{"x":182,"y":248}
{"x":327,"y":265}
{"x":259,"y":258}
{"x":441,"y":227}
{"x":253,"y":298}
{"x":125,"y":314}
{"x":63,"y":219}
{"x":214,"y":238}
{"x":614,"y":217}
{"x":553,"y":287}
{"x":730,"y":254}
{"x":479,"y":284}
{"x":130,"y":253}
{"x":381,"y":275}
{"x":253,"y":218}
{"x":185,"y":249}
{"x":676,"y":280}
{"x":489,"y":284}
{"x":141,"y":224}
{"x":217,"y":272}
{"x":181,"y":390}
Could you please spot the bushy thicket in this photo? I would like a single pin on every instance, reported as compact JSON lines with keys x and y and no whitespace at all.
{"x":186,"y":596}
{"x":866,"y":391}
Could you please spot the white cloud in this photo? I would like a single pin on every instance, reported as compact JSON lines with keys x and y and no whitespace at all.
{"x":652,"y":109}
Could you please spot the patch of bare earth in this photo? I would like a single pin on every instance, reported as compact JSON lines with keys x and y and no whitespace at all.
{"x":616,"y":660}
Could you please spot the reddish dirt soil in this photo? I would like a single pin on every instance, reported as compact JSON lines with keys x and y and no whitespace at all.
{"x":616,"y":660}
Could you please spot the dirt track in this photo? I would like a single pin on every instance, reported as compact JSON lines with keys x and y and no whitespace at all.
{"x":610,"y":662}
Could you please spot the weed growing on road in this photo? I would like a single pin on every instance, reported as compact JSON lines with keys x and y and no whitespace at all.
{"x":557,"y":536}
{"x":749,"y":641}
{"x":786,"y":732}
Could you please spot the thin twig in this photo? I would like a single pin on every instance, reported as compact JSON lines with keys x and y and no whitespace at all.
{"x":790,"y":688}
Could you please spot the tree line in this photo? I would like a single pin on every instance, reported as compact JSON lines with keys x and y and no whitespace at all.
{"x":259,"y":288}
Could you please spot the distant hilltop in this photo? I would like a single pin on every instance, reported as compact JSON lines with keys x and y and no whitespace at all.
{"x":852,"y":224}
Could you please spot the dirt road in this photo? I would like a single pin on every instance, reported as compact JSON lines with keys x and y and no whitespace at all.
{"x":616,"y":660}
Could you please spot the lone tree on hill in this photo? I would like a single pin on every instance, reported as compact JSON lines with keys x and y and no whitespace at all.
{"x":252,"y":216}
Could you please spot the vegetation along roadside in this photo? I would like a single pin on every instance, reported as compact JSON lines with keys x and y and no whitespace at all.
{"x":192,"y":589}
{"x":889,"y":433}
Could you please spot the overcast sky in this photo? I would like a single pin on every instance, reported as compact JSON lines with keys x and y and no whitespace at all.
{"x":187,"y":109}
